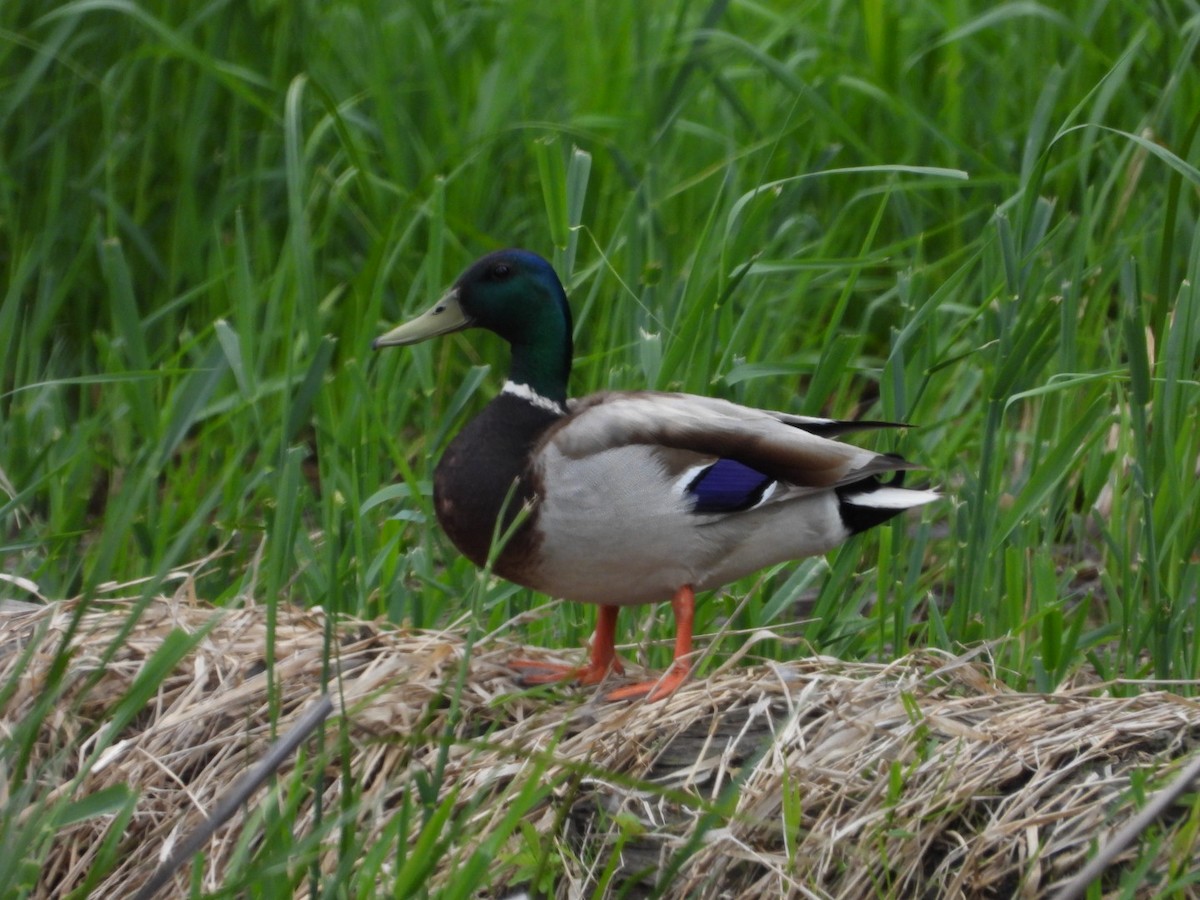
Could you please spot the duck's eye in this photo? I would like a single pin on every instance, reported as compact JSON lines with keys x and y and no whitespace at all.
{"x":501,"y":270}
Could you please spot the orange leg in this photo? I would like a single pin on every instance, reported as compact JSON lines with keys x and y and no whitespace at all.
{"x":603,"y":657}
{"x":684,"y":606}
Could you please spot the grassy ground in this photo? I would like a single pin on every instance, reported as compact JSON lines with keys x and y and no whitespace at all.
{"x":978,"y":218}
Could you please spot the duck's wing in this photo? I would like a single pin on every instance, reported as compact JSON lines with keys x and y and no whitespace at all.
{"x":740,"y":447}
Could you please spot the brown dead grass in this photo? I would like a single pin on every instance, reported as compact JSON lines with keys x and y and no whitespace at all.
{"x":814,"y":778}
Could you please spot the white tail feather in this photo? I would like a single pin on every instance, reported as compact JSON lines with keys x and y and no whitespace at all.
{"x":892,"y":498}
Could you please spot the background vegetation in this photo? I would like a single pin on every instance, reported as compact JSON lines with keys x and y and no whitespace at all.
{"x":980,"y":218}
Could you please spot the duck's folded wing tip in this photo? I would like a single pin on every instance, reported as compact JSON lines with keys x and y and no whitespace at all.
{"x":836,"y":428}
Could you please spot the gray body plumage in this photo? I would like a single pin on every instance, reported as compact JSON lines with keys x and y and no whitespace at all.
{"x":616,"y":525}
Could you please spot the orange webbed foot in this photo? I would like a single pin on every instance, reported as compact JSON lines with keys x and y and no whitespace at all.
{"x":602,"y":661}
{"x":652,"y":690}
{"x":536,"y":672}
{"x":684,"y":607}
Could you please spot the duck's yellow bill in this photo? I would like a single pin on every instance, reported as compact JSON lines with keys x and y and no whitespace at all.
{"x":443,"y":317}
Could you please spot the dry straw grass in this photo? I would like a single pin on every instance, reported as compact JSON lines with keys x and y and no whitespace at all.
{"x":814,"y":778}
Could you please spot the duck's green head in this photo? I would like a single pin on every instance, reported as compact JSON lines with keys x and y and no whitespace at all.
{"x":517,"y":295}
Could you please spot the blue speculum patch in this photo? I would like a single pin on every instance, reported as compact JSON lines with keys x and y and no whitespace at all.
{"x":727,"y":486}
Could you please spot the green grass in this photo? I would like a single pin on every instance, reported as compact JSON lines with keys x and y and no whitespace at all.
{"x":208,"y":210}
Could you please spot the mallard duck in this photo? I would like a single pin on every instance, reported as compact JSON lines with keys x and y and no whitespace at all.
{"x":630,"y":497}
